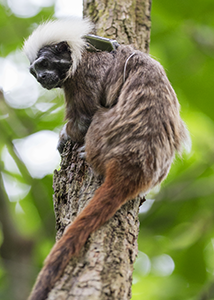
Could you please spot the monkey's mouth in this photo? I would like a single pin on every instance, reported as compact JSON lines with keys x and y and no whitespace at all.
{"x":50,"y":82}
{"x":50,"y":85}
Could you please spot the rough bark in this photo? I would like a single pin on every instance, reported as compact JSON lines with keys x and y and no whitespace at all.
{"x":104,"y":267}
{"x":127,"y":21}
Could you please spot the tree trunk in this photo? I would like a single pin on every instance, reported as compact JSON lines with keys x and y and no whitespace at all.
{"x":103,"y":270}
{"x":127,"y":21}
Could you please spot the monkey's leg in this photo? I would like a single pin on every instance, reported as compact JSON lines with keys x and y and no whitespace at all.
{"x":115,"y":191}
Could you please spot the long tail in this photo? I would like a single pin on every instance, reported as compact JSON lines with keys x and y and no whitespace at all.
{"x":115,"y":191}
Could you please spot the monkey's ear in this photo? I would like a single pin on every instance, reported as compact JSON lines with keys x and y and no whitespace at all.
{"x":62,"y":47}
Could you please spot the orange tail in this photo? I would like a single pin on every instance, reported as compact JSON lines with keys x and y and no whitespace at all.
{"x":107,"y":200}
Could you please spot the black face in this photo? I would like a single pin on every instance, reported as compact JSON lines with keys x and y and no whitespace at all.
{"x":51,"y":65}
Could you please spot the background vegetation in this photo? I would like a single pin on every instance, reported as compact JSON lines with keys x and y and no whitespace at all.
{"x":176,"y":239}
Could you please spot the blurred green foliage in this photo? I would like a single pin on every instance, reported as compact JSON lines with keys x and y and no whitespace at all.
{"x":180,"y":223}
{"x":176,"y":239}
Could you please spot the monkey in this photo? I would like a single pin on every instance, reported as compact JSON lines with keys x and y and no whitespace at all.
{"x":121,"y":107}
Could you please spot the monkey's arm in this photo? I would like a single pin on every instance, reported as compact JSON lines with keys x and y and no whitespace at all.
{"x":74,"y":130}
{"x":63,"y":137}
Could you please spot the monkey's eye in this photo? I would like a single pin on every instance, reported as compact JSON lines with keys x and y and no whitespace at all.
{"x":61,"y":47}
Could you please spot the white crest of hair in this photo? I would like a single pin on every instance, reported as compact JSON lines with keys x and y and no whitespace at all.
{"x":70,"y":30}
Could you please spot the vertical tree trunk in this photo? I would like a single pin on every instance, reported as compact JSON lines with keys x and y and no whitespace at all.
{"x":104,"y":267}
{"x":127,"y":21}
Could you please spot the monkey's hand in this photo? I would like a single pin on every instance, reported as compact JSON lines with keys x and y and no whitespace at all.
{"x":63,"y":137}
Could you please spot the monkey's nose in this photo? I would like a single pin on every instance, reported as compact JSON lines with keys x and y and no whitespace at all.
{"x":41,"y":77}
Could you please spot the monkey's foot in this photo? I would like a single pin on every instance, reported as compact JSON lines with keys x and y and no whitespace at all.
{"x":82,"y":153}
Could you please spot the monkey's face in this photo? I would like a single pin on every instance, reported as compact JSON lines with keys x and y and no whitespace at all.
{"x":51,"y":65}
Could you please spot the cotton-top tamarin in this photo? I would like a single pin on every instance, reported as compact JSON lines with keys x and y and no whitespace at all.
{"x":122,"y":107}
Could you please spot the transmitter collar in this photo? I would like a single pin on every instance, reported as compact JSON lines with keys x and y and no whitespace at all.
{"x":97,"y":43}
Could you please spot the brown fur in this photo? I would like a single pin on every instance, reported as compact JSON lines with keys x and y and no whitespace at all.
{"x":131,"y":131}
